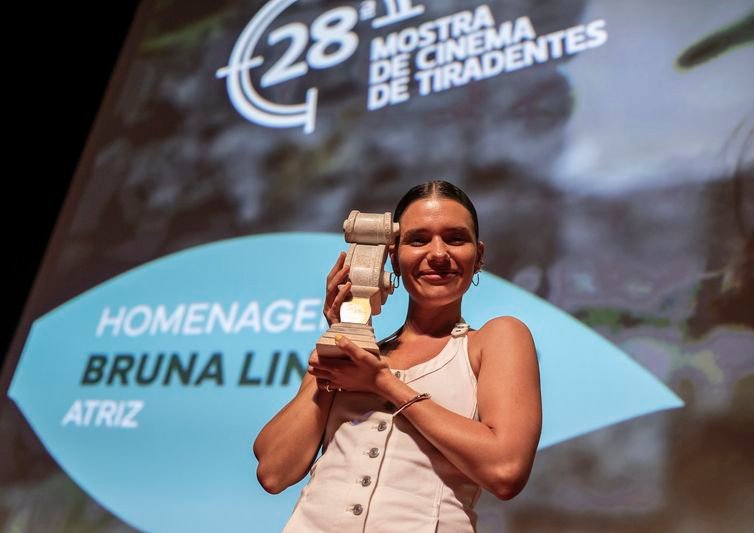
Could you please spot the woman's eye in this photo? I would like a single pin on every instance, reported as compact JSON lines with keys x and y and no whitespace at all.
{"x":414,"y":240}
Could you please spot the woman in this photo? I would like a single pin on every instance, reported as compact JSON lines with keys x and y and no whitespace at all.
{"x":413,"y":434}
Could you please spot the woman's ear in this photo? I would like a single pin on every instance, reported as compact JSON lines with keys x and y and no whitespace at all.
{"x":479,"y":256}
{"x":391,"y":250}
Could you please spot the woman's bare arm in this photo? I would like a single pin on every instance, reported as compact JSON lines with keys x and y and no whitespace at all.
{"x":287,"y":445}
{"x":496,"y":452}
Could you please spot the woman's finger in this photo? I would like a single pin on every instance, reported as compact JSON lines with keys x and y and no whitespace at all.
{"x":343,"y":293}
{"x":336,"y":294}
{"x":350,"y":349}
{"x":317,"y":362}
{"x":331,"y":364}
{"x":338,"y":279}
{"x":338,"y":265}
{"x":319,"y":372}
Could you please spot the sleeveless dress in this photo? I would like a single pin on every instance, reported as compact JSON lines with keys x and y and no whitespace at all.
{"x":377,"y":473}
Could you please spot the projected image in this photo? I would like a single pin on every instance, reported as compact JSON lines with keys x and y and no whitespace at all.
{"x":608,"y":148}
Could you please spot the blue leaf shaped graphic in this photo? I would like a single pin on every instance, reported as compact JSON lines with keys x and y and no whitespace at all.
{"x":167,"y":447}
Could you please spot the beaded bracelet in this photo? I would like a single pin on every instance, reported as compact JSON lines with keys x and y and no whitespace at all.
{"x":417,"y":398}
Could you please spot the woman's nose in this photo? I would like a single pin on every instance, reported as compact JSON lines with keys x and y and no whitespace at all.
{"x":438,"y":249}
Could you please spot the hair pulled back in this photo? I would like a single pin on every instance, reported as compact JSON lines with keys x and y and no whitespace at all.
{"x":441,"y":189}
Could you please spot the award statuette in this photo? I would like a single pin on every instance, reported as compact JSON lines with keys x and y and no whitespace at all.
{"x":369,"y":235}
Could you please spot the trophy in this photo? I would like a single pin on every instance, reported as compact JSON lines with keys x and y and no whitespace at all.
{"x":369,"y":235}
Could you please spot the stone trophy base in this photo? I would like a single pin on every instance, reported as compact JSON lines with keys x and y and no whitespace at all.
{"x":362,"y":335}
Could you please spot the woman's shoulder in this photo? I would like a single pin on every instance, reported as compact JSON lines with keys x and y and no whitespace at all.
{"x":504,"y":325}
{"x":499,"y":343}
{"x":499,"y":332}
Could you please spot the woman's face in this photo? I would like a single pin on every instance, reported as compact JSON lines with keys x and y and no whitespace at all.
{"x":437,"y":253}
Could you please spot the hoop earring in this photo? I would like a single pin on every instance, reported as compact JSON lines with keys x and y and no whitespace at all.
{"x":396,"y":280}
{"x":475,"y":279}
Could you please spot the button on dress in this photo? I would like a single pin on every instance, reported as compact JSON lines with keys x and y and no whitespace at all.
{"x":377,"y":473}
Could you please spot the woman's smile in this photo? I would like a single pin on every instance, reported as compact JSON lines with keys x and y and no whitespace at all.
{"x":438,"y":276}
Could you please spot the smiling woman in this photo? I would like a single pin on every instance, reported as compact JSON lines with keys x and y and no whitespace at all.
{"x":413,"y":434}
{"x":437,"y":253}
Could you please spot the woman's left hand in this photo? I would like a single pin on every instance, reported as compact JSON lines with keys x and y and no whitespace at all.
{"x":361,"y":372}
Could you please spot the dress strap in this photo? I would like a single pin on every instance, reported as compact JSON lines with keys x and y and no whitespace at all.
{"x":459,"y":330}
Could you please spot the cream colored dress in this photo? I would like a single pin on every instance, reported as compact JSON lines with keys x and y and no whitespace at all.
{"x":378,"y":474}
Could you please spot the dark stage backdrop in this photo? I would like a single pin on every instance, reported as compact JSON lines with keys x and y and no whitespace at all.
{"x":609,"y":149}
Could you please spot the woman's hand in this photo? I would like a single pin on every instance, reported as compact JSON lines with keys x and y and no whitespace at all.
{"x":360,"y":372}
{"x":335,"y":295}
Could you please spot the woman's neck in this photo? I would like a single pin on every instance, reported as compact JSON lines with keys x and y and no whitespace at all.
{"x":431,"y":321}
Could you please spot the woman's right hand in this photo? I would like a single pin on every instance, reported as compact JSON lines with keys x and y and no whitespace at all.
{"x":334,"y":295}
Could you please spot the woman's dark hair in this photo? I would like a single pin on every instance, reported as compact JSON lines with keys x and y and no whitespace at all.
{"x":440,"y":188}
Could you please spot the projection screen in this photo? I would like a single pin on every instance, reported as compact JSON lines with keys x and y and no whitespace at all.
{"x":608,"y":147}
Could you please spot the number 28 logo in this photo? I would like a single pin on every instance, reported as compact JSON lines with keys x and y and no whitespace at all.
{"x":328,"y":41}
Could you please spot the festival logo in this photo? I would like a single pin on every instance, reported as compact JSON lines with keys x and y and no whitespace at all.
{"x":408,"y":57}
{"x":149,"y":389}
